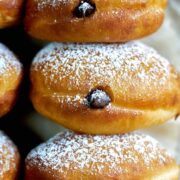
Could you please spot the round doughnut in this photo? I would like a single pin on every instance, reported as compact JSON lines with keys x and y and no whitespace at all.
{"x":74,"y":156}
{"x":10,"y":11}
{"x":93,"y":20}
{"x":104,"y":88}
{"x":10,"y":78}
{"x":9,"y":158}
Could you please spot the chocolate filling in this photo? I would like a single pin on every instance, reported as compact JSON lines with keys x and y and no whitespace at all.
{"x":98,"y":99}
{"x":84,"y":9}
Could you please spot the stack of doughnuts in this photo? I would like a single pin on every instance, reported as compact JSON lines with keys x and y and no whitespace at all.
{"x":10,"y":78}
{"x":102,"y":91}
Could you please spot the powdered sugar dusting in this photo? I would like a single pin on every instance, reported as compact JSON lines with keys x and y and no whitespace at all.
{"x":50,"y":3}
{"x":7,"y":154}
{"x":8,"y":62}
{"x":70,"y":152}
{"x":79,"y":64}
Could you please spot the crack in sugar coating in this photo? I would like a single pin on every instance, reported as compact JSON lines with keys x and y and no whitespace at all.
{"x":73,"y":65}
{"x":93,"y":154}
{"x":8,"y":62}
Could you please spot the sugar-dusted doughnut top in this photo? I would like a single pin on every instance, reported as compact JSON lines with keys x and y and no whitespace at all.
{"x":9,"y":158}
{"x":8,"y":62}
{"x":106,"y":61}
{"x":99,"y":156}
{"x":10,"y":70}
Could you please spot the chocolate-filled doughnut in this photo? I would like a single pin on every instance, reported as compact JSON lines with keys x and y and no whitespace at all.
{"x":93,"y":20}
{"x":104,"y":88}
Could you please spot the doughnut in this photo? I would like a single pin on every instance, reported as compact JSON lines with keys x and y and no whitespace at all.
{"x":9,"y":158}
{"x":10,"y":11}
{"x":10,"y":78}
{"x":93,"y":20}
{"x":76,"y":156}
{"x":104,"y":88}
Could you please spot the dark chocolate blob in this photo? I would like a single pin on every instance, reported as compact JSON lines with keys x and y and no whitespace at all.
{"x":85,"y":9}
{"x":98,"y":99}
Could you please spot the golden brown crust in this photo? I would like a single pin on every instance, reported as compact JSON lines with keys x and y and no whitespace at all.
{"x":131,"y":156}
{"x":7,"y":101}
{"x":117,"y":21}
{"x":110,"y":120}
{"x":143,"y":86}
{"x":37,"y":174}
{"x":10,"y":78}
{"x":9,"y":159}
{"x":10,"y":12}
